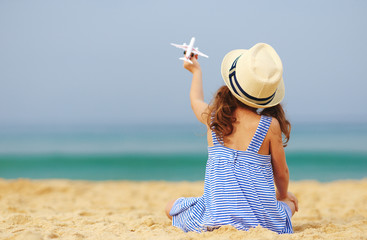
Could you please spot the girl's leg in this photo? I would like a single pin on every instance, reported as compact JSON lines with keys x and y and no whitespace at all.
{"x":169,"y":207}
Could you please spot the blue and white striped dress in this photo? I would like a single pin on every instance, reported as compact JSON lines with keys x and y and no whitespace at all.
{"x":238,"y":191}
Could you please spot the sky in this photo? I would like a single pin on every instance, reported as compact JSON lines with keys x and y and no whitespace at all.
{"x":76,"y":62}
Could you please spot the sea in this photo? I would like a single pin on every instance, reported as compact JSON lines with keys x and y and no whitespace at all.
{"x":167,"y":152}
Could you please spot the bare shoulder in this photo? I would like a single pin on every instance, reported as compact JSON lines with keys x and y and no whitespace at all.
{"x":275,"y":127}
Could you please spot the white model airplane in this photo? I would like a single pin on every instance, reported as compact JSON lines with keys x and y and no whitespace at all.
{"x":190,"y":51}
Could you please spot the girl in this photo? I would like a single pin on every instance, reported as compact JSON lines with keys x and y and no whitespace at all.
{"x":245,"y":153}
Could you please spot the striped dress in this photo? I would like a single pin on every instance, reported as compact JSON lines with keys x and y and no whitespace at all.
{"x":238,"y":191}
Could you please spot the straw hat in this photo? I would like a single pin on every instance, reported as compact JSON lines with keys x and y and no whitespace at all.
{"x":254,"y":76}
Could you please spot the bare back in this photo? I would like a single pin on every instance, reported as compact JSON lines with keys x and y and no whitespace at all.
{"x":243,"y":131}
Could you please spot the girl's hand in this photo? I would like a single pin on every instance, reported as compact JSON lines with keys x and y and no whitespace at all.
{"x":294,"y":199}
{"x":194,"y":67}
{"x":290,"y":197}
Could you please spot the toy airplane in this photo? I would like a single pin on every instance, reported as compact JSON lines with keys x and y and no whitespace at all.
{"x":190,"y":51}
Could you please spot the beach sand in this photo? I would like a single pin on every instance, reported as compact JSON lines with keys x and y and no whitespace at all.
{"x":64,"y":209}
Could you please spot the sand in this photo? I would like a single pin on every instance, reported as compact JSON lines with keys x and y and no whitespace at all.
{"x":63,"y":209}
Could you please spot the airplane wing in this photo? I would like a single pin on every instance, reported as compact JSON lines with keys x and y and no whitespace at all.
{"x":195,"y":51}
{"x":179,"y":46}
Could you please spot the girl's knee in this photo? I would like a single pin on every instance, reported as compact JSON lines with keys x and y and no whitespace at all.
{"x":169,"y":207}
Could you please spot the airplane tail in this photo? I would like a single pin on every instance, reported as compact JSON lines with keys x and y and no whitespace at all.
{"x":185,"y":59}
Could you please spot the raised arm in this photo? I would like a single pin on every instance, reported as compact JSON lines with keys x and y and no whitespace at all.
{"x":196,"y":92}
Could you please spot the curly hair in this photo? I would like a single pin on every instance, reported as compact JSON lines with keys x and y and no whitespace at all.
{"x":221,"y":115}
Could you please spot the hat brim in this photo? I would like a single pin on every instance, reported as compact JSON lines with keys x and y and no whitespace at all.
{"x":226,"y":65}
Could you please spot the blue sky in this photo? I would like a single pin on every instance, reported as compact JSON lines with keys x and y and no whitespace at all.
{"x":110,"y":62}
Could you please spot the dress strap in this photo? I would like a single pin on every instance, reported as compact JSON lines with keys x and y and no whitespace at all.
{"x":214,"y":138}
{"x":261,"y":131}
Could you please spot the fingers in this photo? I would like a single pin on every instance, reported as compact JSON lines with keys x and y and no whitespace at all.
{"x":194,"y":67}
{"x":294,"y":199}
{"x":296,"y":204}
{"x":186,"y":65}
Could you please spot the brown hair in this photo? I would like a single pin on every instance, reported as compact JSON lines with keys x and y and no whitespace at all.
{"x":221,"y":117}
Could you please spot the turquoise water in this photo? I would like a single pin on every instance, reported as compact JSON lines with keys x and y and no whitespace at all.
{"x":323,"y":152}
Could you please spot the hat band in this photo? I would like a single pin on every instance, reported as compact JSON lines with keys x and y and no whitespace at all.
{"x":233,"y":81}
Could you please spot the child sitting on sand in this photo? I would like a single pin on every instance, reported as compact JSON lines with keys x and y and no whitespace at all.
{"x":245,"y":152}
